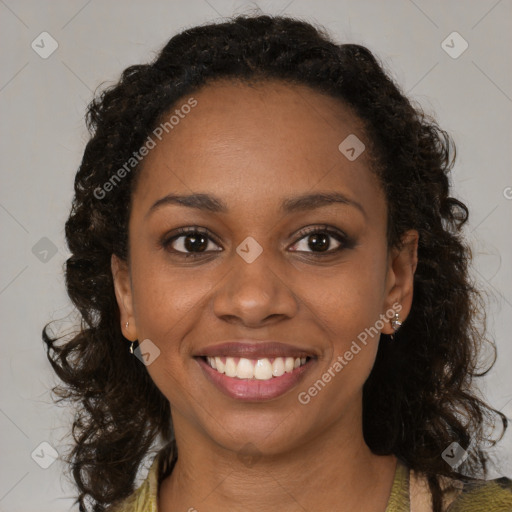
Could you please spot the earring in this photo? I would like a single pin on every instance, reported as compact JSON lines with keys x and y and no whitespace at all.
{"x":131,"y":342}
{"x":395,"y":324}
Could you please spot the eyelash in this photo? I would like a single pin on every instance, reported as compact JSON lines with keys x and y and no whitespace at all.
{"x":345,"y":241}
{"x":187,"y":231}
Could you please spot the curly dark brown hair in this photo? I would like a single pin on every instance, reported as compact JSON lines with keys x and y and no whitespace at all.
{"x":419,"y":396}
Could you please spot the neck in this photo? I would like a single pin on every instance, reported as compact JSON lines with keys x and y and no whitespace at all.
{"x":333,"y":471}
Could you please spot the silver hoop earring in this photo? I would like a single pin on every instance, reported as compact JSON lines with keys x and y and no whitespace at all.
{"x":132,"y":343}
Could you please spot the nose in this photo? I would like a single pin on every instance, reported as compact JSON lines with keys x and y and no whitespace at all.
{"x":254,"y":294}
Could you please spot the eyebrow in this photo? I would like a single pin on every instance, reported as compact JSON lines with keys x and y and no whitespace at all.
{"x":209,"y":203}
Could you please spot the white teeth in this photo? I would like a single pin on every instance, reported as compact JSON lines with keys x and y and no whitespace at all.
{"x":263,"y":369}
{"x":278,"y":367}
{"x":288,"y":364}
{"x":219,"y":365}
{"x":230,"y":369}
{"x":245,"y":369}
{"x":260,"y":369}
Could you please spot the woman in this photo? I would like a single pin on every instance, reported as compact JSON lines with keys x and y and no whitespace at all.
{"x":274,"y":288}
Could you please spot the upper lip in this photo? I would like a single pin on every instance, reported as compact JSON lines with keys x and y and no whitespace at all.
{"x":251,"y":349}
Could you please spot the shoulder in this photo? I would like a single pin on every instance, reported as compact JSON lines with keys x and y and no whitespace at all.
{"x":483,"y":496}
{"x":468,"y":495}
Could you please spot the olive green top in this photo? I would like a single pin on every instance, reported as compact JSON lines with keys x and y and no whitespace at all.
{"x":474,"y":496}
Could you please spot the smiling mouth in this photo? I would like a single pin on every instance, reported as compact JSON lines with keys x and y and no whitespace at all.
{"x":255,"y":369}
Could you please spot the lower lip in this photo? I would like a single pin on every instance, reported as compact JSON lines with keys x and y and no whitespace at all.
{"x":254,"y":390}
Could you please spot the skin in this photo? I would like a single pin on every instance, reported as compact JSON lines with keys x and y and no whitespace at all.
{"x":252,"y":147}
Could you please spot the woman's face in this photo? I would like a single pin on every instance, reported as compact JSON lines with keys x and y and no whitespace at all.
{"x":267,"y":165}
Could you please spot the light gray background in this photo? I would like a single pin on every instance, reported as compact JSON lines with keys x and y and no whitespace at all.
{"x":43,"y":136}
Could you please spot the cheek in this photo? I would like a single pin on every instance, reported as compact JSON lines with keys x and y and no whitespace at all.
{"x":166,"y":298}
{"x":347,"y":307}
{"x":348,"y":318}
{"x":167,"y":303}
{"x":347,"y":300}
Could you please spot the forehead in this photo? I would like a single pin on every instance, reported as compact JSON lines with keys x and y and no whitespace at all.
{"x":250,"y":143}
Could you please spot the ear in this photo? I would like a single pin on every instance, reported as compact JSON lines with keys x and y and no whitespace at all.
{"x":123,"y":290}
{"x":403,"y":261}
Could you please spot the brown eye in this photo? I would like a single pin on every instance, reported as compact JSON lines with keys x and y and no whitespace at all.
{"x":190,"y":242}
{"x":321,"y":240}
{"x":194,"y":242}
